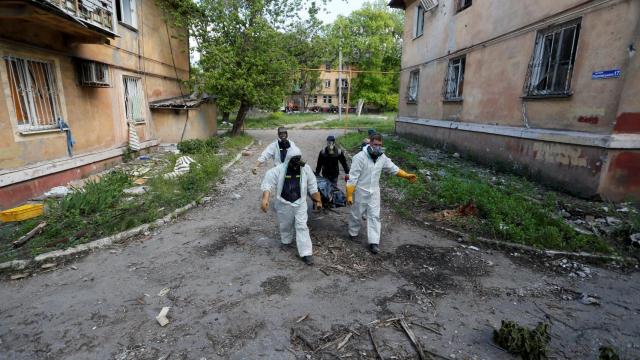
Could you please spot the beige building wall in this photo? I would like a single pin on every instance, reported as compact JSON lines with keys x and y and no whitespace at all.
{"x":497,"y":38}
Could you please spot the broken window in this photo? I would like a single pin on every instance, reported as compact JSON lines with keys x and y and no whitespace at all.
{"x":34,"y":93}
{"x":133,"y":99}
{"x":126,"y":11}
{"x":454,"y":82}
{"x":552,"y":62}
{"x":463,"y":4}
{"x":412,"y":88}
{"x":327,"y":83}
{"x":94,"y":74}
{"x":419,"y":29}
{"x":326,"y":99}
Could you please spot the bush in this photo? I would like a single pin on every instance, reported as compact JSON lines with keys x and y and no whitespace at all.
{"x":196,"y":146}
{"x":526,"y":343}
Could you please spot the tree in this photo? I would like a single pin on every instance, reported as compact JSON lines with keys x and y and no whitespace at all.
{"x":242,"y":46}
{"x":371,"y":40}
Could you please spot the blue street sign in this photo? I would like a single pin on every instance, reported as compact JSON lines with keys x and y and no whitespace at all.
{"x":606,"y":74}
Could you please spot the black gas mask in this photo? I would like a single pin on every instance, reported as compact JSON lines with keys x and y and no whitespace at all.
{"x":331,"y":148}
{"x":296,"y":162}
{"x":375,"y":151}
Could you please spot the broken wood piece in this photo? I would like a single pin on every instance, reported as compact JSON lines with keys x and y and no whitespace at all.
{"x":304,"y":340}
{"x":427,"y":328}
{"x":162,"y":316}
{"x":26,"y":237}
{"x":412,"y":337}
{"x":344,"y":341}
{"x":375,"y":346}
{"x":302,"y":318}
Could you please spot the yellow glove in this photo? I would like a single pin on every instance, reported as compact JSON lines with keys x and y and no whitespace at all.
{"x":403,"y":174}
{"x":350,"y":190}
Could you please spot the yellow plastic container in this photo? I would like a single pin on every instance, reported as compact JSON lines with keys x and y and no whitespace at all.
{"x":21,"y":213}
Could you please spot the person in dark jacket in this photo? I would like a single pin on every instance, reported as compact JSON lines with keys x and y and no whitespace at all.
{"x":328,"y":159}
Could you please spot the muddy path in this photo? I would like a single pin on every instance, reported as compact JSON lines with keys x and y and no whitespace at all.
{"x":234,"y":293}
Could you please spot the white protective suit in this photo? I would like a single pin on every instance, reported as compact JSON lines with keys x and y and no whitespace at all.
{"x":365,"y":175}
{"x":292,"y":217}
{"x":273,"y":152}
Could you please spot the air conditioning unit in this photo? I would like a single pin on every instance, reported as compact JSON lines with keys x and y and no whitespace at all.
{"x":94,"y":74}
{"x":428,"y":4}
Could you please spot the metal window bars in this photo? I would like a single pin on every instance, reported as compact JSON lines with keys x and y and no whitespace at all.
{"x":454,"y":80}
{"x":133,"y":99}
{"x":95,"y":12}
{"x":551,"y":66}
{"x":34,"y":91}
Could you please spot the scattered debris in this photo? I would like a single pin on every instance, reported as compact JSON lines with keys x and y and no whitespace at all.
{"x":456,"y":155}
{"x":19,"y":276}
{"x":522,"y":341}
{"x":73,"y":267}
{"x":137,"y":190}
{"x":247,"y":153}
{"x":183,"y":166}
{"x":588,"y":300}
{"x":574,"y":269}
{"x":236,"y":196}
{"x":412,"y":337}
{"x":344,"y":341}
{"x":375,"y":346}
{"x":162,"y":316}
{"x":48,"y":265}
{"x":25,"y":238}
{"x":303,"y":318}
{"x":164,"y":292}
{"x":140,"y":181}
{"x":57,"y":192}
{"x":635,"y":239}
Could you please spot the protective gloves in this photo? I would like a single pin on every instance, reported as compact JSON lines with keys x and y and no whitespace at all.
{"x":403,"y":174}
{"x":350,"y":190}
{"x":317,"y":200}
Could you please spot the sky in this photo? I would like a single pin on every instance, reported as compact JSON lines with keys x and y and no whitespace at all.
{"x":338,"y":7}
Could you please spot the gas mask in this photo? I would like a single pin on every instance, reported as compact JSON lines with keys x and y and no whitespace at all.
{"x":375,"y":151}
{"x":331,"y":147}
{"x":296,"y":162}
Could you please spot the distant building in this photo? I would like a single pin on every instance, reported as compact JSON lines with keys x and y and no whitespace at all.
{"x":107,"y":70}
{"x":324,"y":97}
{"x":550,"y":88}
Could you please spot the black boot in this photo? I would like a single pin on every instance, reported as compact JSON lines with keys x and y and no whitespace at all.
{"x":308,"y":259}
{"x":352,"y":238}
{"x":374,"y":248}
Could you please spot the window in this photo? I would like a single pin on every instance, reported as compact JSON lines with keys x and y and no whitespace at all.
{"x":463,"y":4}
{"x":419,"y":21}
{"x":412,"y":88}
{"x":327,"y":83}
{"x":327,"y":66}
{"x":345,"y":83}
{"x":313,"y":99}
{"x":552,"y":62}
{"x":454,"y":81}
{"x":344,"y":100}
{"x":94,"y":74}
{"x":326,"y":99}
{"x":133,"y":99}
{"x":126,"y":11}
{"x":34,"y":92}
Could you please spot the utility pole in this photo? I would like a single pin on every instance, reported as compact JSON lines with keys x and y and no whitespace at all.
{"x":340,"y":85}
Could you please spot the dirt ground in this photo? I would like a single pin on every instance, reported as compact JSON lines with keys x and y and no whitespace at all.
{"x":234,"y":293}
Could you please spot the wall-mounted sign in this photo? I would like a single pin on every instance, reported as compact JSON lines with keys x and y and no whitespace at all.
{"x":606,"y":74}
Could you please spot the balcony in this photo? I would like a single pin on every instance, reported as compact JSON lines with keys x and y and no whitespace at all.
{"x":83,"y":21}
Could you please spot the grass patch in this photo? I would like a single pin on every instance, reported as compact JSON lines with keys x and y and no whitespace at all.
{"x":384,"y":123}
{"x":509,"y":207}
{"x":101,"y":208}
{"x":276,"y":119}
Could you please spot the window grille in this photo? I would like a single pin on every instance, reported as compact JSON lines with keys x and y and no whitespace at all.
{"x":94,"y":74}
{"x":34,"y":92}
{"x":412,"y":88}
{"x":551,"y":66}
{"x":454,"y":81}
{"x":133,"y":99}
{"x":428,"y":4}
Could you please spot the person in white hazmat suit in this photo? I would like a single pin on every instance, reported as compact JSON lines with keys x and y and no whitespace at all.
{"x":276,"y":151}
{"x":292,"y":180}
{"x":363,"y":189}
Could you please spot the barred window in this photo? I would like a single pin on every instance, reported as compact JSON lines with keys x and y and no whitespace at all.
{"x":551,"y":65}
{"x":34,"y":92}
{"x":412,"y":87}
{"x":133,"y":99}
{"x":454,"y":82}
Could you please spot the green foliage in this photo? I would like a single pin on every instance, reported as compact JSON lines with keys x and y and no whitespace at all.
{"x":100,"y":208}
{"x":608,"y":353}
{"x":195,"y":146}
{"x":521,"y":341}
{"x":384,"y":125}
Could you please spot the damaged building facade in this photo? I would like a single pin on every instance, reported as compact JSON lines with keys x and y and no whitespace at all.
{"x":547,"y":88}
{"x":84,"y":80}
